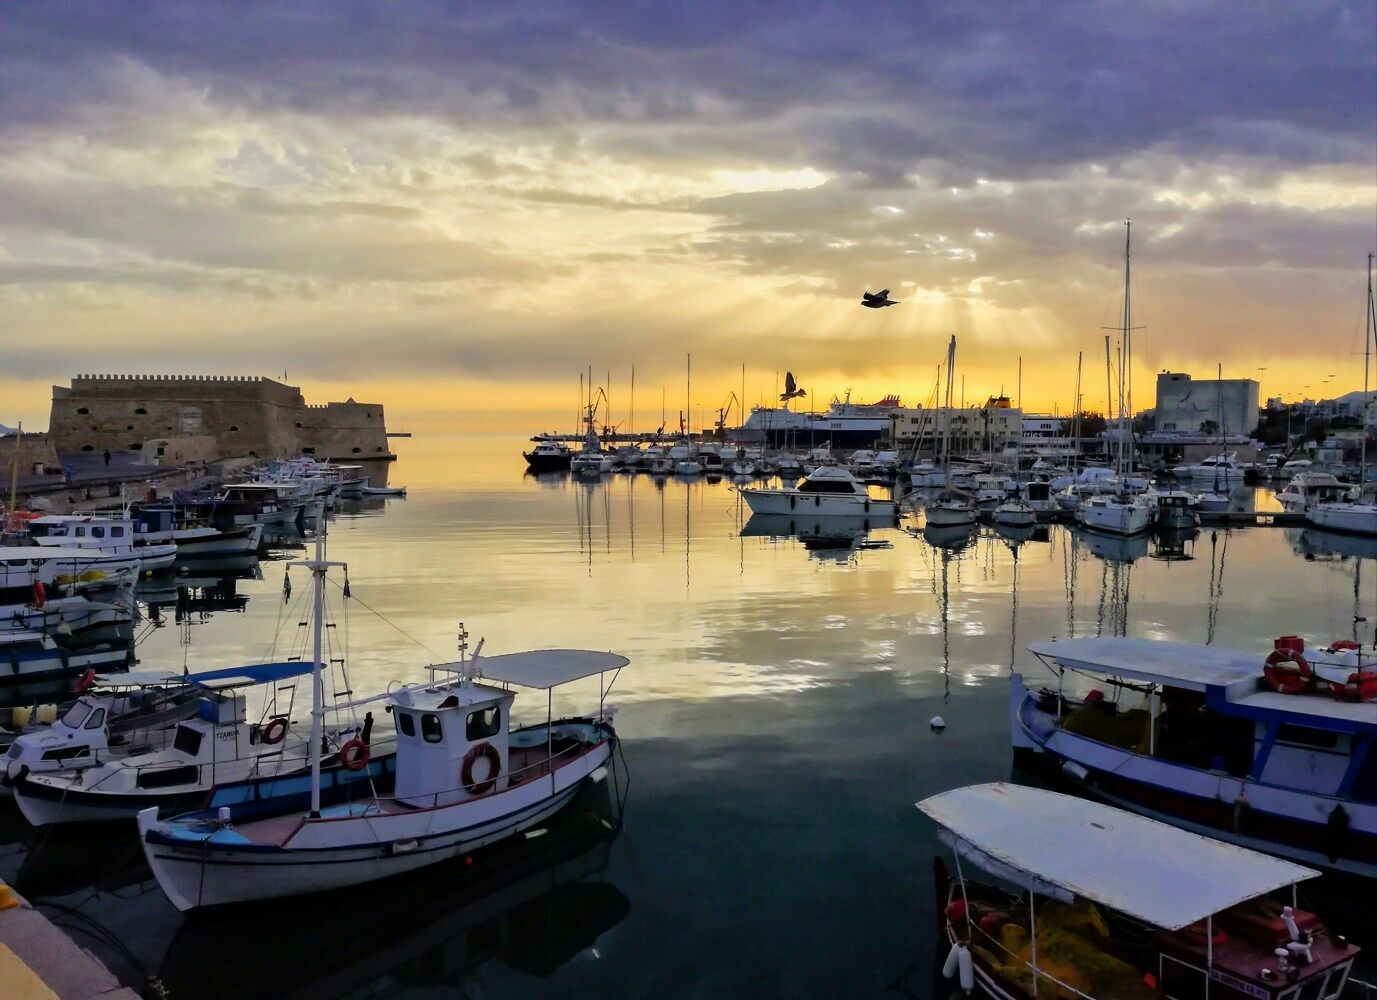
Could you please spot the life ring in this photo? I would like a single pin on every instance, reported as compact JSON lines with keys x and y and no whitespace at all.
{"x":1341,"y":645}
{"x":84,"y":682}
{"x":1287,"y":671}
{"x":274,"y":732}
{"x":40,"y":594}
{"x":494,"y":759}
{"x":353,"y":756}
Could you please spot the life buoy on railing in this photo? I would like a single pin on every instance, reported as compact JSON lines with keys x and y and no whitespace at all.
{"x":1287,"y":671}
{"x":354,"y":755}
{"x":274,"y":732}
{"x":40,"y":594}
{"x":1341,"y":645}
{"x":84,"y":682}
{"x":489,"y":753}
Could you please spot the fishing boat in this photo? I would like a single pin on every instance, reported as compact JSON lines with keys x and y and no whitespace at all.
{"x":114,"y":536}
{"x":33,"y":570}
{"x":216,"y":746}
{"x":548,"y":456}
{"x":76,"y":616}
{"x":25,"y":654}
{"x":384,"y":491}
{"x":827,"y":491}
{"x":1266,"y":750}
{"x":1172,"y":507}
{"x":463,"y":780}
{"x":1015,"y":514}
{"x":1057,"y":896}
{"x":195,"y":538}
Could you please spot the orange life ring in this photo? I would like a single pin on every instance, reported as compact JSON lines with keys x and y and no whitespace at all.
{"x":84,"y":682}
{"x":353,"y":756}
{"x":274,"y":732}
{"x":40,"y":594}
{"x":488,"y":752}
{"x":1287,"y":671}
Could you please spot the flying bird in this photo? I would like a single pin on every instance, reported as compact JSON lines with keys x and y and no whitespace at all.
{"x":791,"y":389}
{"x":878,"y":300}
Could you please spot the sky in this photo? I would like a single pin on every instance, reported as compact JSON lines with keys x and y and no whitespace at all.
{"x":455,"y":208}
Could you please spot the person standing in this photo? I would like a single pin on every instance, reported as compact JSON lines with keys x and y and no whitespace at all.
{"x":107,"y":458}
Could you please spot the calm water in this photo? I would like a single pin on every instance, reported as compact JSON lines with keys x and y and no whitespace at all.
{"x":775,"y":727}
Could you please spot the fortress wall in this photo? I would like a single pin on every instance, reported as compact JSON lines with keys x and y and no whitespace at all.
{"x":246,"y":416}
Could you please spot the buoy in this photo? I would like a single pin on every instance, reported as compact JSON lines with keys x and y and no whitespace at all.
{"x":967,"y":968}
{"x":938,"y":722}
{"x":950,"y":966}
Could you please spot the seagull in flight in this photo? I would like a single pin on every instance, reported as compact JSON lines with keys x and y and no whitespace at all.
{"x":878,"y":300}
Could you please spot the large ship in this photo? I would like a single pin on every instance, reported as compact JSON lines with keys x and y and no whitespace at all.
{"x":843,"y":425}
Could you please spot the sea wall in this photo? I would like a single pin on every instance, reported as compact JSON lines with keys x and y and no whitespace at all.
{"x":245,"y":416}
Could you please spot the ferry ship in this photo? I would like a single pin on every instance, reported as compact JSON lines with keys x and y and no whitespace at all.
{"x":844,"y":424}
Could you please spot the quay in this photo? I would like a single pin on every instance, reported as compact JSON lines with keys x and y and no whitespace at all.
{"x":39,"y":961}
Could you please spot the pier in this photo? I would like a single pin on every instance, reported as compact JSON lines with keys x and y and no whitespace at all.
{"x":39,"y":961}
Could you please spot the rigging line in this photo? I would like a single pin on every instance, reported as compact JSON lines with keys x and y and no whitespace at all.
{"x":372,"y":610}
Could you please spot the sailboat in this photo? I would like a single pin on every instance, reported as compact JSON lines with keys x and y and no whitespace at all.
{"x":1122,"y":513}
{"x":463,"y":780}
{"x":950,"y":508}
{"x":1358,"y":513}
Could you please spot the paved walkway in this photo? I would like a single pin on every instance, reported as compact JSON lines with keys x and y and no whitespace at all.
{"x":39,"y":962}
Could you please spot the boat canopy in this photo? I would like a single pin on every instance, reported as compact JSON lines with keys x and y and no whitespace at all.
{"x":1177,"y":664}
{"x":224,"y":677}
{"x":1166,"y":877}
{"x":545,"y":668}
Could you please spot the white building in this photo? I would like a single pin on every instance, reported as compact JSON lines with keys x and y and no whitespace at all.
{"x":973,"y":428}
{"x":1228,"y":406}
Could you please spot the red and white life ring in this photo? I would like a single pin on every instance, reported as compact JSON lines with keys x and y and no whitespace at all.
{"x":274,"y":732}
{"x":1287,"y":671}
{"x":489,"y":753}
{"x":40,"y":594}
{"x":354,"y":755}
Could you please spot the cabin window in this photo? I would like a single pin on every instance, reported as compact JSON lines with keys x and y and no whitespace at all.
{"x":187,"y":741}
{"x":168,"y":776}
{"x":1307,"y":737}
{"x":117,"y":532}
{"x":406,"y":722}
{"x":430,"y":728}
{"x":67,"y":753}
{"x":483,"y":723}
{"x":96,"y":532}
{"x":76,"y":715}
{"x":81,"y":532}
{"x":827,"y":486}
{"x":97,"y":719}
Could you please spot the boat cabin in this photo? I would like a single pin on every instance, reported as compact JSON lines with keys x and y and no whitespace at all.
{"x":830,"y":479}
{"x":82,"y":531}
{"x":451,"y":742}
{"x":1058,"y":896}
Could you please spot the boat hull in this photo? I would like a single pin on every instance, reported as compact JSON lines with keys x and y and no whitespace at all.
{"x":949,"y":517}
{"x":786,"y":502}
{"x":547,"y":463}
{"x":1355,"y":519}
{"x":1115,"y":519}
{"x":197,"y":874}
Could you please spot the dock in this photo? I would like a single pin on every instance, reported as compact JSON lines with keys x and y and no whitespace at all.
{"x":38,"y":961}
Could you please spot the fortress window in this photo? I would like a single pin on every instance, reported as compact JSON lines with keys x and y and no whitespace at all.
{"x":136,"y":446}
{"x":357,"y":450}
{"x":129,"y":427}
{"x":234,"y":427}
{"x":88,"y":447}
{"x":141,"y":411}
{"x":83,"y":410}
{"x":298,"y":423}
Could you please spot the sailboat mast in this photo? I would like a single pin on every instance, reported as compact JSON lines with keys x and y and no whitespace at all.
{"x":688,"y":392}
{"x":317,"y":667}
{"x":1369,"y":321}
{"x":1109,"y":397}
{"x":14,"y":466}
{"x":1076,"y":418}
{"x":631,"y":414}
{"x":1125,"y":359}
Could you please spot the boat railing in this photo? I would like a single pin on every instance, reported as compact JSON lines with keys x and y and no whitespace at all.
{"x":546,"y":765}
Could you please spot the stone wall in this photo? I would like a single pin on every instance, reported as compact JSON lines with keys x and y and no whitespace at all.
{"x":245,"y":415}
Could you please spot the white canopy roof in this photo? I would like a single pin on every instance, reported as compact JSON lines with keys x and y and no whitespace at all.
{"x":1164,"y":876}
{"x":546,"y":668}
{"x":1176,"y":663}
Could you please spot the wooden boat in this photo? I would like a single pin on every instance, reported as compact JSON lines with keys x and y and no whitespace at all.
{"x":1058,"y":896}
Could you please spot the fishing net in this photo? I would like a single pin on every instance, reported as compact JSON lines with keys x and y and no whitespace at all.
{"x":1125,"y":730}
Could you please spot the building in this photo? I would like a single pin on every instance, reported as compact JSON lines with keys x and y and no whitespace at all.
{"x":1039,"y":426}
{"x":1216,"y":406}
{"x":973,"y":428}
{"x":209,"y":416}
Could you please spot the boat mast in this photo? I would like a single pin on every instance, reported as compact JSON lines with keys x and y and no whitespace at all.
{"x":1076,"y":418}
{"x":1125,"y":360}
{"x":1109,"y":400}
{"x":631,"y":414}
{"x":14,"y":466}
{"x":318,"y":567}
{"x":946,"y":430}
{"x":1369,"y":331}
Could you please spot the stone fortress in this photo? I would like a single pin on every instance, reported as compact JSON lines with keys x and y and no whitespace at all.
{"x":171,"y":419}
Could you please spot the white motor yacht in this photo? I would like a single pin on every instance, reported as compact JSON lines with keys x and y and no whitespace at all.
{"x":1306,"y":488}
{"x":1224,"y":468}
{"x":1117,"y":514}
{"x":112,"y":535}
{"x":828,"y":491}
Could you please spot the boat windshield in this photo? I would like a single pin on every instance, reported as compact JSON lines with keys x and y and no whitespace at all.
{"x":828,"y":486}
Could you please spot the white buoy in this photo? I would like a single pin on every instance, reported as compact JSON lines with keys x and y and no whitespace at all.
{"x":949,"y":967}
{"x":938,"y":722}
{"x":967,"y":965}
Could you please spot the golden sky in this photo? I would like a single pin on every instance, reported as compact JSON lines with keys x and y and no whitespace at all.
{"x":454,"y":212}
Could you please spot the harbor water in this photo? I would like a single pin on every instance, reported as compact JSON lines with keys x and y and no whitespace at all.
{"x":775,"y":723}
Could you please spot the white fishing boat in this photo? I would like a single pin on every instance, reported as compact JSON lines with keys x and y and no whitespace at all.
{"x":1037,"y":494}
{"x":1305,"y":488}
{"x":992,"y":489}
{"x":76,"y":615}
{"x":25,"y":654}
{"x":1172,"y":507}
{"x":1056,"y":896}
{"x":114,"y":536}
{"x":1015,"y":514}
{"x":117,"y":716}
{"x":828,"y":491}
{"x":216,"y":746}
{"x":36,"y":569}
{"x":1264,"y":749}
{"x":164,"y":525}
{"x":463,"y":780}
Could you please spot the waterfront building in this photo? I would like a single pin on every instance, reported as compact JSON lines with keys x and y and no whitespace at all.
{"x":1210,"y":406}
